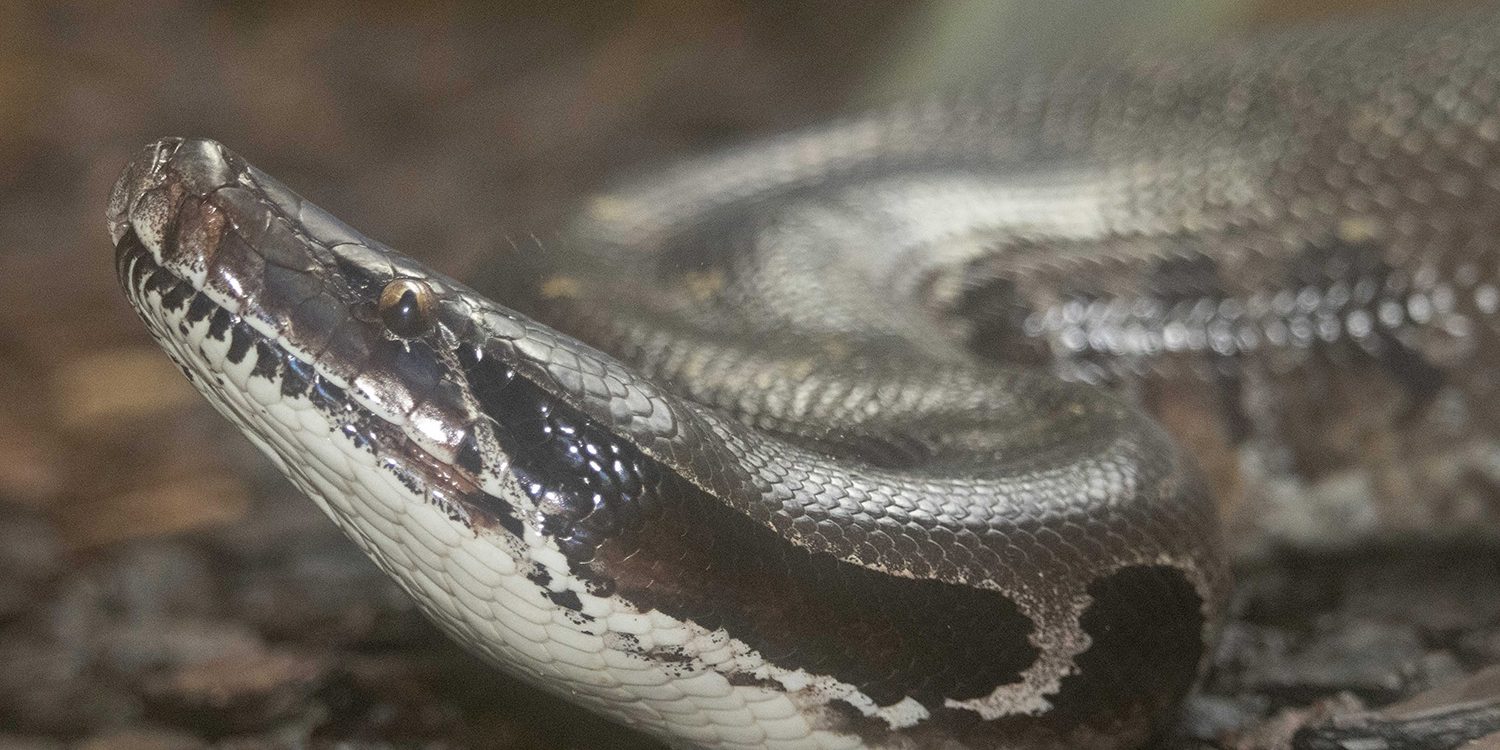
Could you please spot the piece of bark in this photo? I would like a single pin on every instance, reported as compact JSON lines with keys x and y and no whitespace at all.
{"x":1439,"y":719}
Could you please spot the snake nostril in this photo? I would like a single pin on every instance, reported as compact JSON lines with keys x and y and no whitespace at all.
{"x":406,"y":307}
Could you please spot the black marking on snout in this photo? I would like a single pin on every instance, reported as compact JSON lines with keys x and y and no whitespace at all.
{"x":267,"y":361}
{"x":200,"y":308}
{"x":241,"y":338}
{"x":326,"y":395}
{"x":539,"y":575}
{"x":296,"y":377}
{"x":220,"y":323}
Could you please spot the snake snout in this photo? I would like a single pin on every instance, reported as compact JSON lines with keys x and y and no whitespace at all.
{"x":150,"y":192}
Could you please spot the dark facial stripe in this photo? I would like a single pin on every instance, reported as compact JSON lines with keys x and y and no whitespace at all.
{"x":631,"y":526}
{"x":581,"y":478}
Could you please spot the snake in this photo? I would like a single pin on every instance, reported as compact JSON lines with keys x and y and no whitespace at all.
{"x":835,"y":439}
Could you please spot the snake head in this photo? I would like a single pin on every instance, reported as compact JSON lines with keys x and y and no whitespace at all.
{"x":254,"y":290}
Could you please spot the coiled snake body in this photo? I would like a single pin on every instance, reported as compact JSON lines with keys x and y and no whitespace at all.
{"x":793,"y":505}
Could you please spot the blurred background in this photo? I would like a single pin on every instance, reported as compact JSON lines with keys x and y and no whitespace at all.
{"x":162,"y":587}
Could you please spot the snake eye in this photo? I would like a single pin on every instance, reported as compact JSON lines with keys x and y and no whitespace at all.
{"x":406,"y":307}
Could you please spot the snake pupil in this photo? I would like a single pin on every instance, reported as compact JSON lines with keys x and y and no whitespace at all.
{"x":406,"y":307}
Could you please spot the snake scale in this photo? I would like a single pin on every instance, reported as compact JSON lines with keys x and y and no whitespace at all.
{"x":855,"y":461}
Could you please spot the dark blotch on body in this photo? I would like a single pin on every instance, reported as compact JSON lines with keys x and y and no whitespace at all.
{"x":1146,"y":623}
{"x":404,"y":476}
{"x":669,"y":655}
{"x":1146,"y":626}
{"x":1321,"y":265}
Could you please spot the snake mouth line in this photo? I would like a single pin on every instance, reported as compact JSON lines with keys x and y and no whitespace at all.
{"x":173,"y":308}
{"x":211,"y":238}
